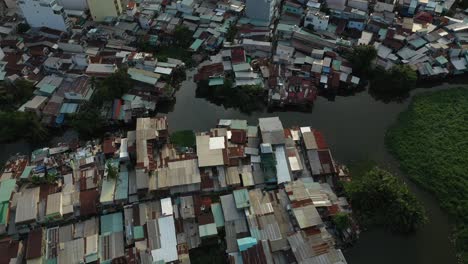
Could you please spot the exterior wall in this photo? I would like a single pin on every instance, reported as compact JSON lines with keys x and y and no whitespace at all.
{"x":356,"y":24}
{"x":319,"y":22}
{"x":74,"y":4}
{"x":100,"y":9}
{"x":260,"y":9}
{"x":10,"y":3}
{"x":44,"y":14}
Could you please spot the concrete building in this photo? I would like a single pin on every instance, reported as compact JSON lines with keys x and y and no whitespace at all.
{"x":264,"y":10}
{"x":81,"y":5}
{"x":318,"y":20}
{"x":100,"y":9}
{"x":45,"y":13}
{"x":10,"y":4}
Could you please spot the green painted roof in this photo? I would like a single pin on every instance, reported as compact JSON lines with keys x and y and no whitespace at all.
{"x":51,"y":261}
{"x":111,"y":223}
{"x":121,"y":190}
{"x":417,"y":43}
{"x":6,"y":188}
{"x":207,"y":230}
{"x":216,"y":81}
{"x":91,"y":258}
{"x":285,"y":27}
{"x":68,"y":108}
{"x":441,"y":60}
{"x":239,"y":124}
{"x":242,"y":198}
{"x":336,"y":65}
{"x":241,"y":67}
{"x":196,"y":44}
{"x":48,"y":88}
{"x":138,"y":232}
{"x":246,"y":243}
{"x":217,"y":211}
{"x":4,"y":207}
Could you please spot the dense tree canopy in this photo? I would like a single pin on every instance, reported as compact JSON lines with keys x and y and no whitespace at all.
{"x":113,"y":86}
{"x":16,"y":125}
{"x":379,"y":198}
{"x":182,"y":36}
{"x":399,"y":80}
{"x":88,"y":121}
{"x":246,"y":98}
{"x":361,"y":59}
{"x":430,"y":140}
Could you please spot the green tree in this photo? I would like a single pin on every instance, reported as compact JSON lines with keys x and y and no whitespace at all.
{"x":112,"y":172}
{"x":182,"y":36}
{"x":113,"y":87}
{"x":379,"y":198}
{"x":23,"y":28}
{"x":430,"y":140}
{"x":88,"y":121}
{"x":17,"y":125}
{"x":399,"y":80}
{"x":231,"y":33}
{"x":341,"y":221}
{"x":361,"y":59}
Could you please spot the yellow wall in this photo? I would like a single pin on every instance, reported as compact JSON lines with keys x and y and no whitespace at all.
{"x":103,"y":8}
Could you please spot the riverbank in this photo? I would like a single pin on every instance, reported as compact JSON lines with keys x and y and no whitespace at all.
{"x":355,"y":127}
{"x":429,"y":140}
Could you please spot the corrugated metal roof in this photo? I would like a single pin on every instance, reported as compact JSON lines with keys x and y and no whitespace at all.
{"x":282,"y":169}
{"x":208,"y":157}
{"x":196,"y":44}
{"x":6,"y":189}
{"x":168,"y":250}
{"x":207,"y":230}
{"x":216,"y":81}
{"x":111,"y":223}
{"x":242,"y":198}
{"x":26,"y":209}
{"x":307,"y":216}
{"x":217,"y":211}
{"x":107,"y":191}
{"x":68,"y":108}
{"x":121,"y":189}
{"x":246,"y":243}
{"x":230,"y":211}
{"x":166,"y":206}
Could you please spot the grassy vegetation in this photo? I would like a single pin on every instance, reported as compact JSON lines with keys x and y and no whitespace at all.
{"x":430,"y":140}
{"x":183,"y":138}
{"x":379,"y":198}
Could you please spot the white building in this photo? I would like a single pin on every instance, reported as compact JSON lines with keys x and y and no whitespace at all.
{"x":318,"y":20}
{"x":81,"y":5}
{"x":44,"y":13}
{"x":185,"y":6}
{"x":261,"y":9}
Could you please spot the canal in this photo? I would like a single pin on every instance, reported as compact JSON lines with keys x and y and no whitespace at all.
{"x":354,"y":127}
